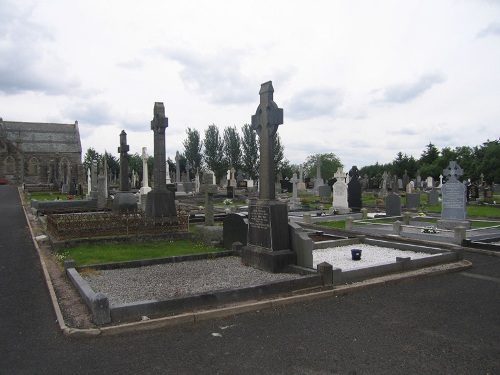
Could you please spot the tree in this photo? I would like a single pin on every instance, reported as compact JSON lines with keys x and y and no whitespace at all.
{"x":232,"y":148}
{"x":375,"y":170}
{"x":429,"y":162}
{"x":429,"y":155}
{"x":489,"y":164}
{"x":279,"y":153}
{"x":192,"y":149}
{"x":250,"y":157}
{"x":287,"y":169}
{"x":214,"y":151}
{"x":329,"y":165}
{"x":403,"y":163}
{"x":113,"y":164}
{"x":90,"y":156}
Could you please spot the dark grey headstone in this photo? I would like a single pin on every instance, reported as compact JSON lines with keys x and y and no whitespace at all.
{"x":393,"y":205}
{"x":413,"y":200}
{"x":235,"y":229}
{"x":324,"y":191}
{"x":267,"y":224}
{"x":433,"y":197}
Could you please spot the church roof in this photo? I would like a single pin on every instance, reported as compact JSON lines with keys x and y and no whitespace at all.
{"x":42,"y":137}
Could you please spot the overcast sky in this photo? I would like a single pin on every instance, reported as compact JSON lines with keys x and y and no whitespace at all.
{"x":361,"y":79}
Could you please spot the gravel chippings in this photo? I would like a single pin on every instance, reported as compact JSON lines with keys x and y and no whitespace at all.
{"x":340,"y":257}
{"x":178,"y":279}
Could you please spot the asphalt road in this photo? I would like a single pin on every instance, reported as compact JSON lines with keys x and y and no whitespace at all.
{"x":448,"y":324}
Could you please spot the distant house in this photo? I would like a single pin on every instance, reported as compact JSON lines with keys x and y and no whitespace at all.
{"x":40,"y":153}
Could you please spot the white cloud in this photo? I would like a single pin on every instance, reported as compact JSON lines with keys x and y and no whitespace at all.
{"x":361,"y":79}
{"x":406,"y":92}
{"x":493,"y":29}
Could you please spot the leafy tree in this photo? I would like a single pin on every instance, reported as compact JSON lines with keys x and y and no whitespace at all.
{"x":135,"y":164}
{"x":329,"y":165}
{"x":403,"y":163}
{"x":90,"y":156}
{"x":489,"y":164}
{"x":214,"y":151}
{"x":429,"y":155}
{"x":250,"y":157}
{"x":279,"y":153}
{"x":376,"y":170}
{"x":192,"y":149}
{"x":287,"y":169}
{"x":113,"y":163}
{"x":232,"y":148}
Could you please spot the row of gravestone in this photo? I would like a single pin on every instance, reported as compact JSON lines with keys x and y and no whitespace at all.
{"x":393,"y":202}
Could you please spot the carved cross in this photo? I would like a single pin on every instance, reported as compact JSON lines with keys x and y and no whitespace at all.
{"x":340,"y":174}
{"x":158,"y":125}
{"x":453,"y":171}
{"x":265,"y":122}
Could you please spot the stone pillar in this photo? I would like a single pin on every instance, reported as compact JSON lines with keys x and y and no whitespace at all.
{"x":160,"y":201}
{"x":124,"y":201}
{"x":145,"y":184}
{"x":268,"y":245}
{"x":209,"y":189}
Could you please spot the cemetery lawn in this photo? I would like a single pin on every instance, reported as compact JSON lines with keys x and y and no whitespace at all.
{"x":109,"y":253}
{"x":472,"y":211}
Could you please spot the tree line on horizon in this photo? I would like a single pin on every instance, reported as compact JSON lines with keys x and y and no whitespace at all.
{"x":219,"y":152}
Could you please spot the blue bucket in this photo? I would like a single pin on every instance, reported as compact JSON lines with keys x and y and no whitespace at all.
{"x":356,"y":254}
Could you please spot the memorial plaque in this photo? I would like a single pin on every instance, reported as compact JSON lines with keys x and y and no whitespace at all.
{"x":259,"y":226}
{"x":454,"y":201}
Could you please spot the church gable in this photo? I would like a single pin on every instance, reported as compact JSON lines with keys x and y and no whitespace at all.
{"x":33,"y":152}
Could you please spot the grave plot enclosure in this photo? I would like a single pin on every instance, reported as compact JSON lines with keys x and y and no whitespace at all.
{"x":90,"y":225}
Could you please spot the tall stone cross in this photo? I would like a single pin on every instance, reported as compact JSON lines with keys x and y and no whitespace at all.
{"x":158,"y":126}
{"x":265,"y":122}
{"x":123,"y":150}
{"x":453,"y":171}
{"x":145,"y":176}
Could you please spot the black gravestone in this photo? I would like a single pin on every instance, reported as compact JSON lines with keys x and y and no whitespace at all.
{"x":354,"y":190}
{"x":235,"y":229}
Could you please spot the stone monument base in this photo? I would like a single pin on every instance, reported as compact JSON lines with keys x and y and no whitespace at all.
{"x":124,"y":202}
{"x":160,"y":204}
{"x":340,"y":210}
{"x":267,"y":260}
{"x":452,"y":224}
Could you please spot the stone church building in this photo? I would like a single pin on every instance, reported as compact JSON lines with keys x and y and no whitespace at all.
{"x":40,"y":153}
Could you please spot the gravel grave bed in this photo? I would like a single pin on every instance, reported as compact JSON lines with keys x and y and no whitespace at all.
{"x":164,"y":281}
{"x":340,"y":257}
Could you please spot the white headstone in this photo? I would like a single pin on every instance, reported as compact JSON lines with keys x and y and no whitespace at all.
{"x":340,"y":202}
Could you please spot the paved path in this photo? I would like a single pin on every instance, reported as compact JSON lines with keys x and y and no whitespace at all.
{"x":447,"y":324}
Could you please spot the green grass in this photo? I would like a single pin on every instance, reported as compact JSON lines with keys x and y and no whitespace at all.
{"x":47,"y":195}
{"x":108,"y":253}
{"x":333,"y":224}
{"x":472,"y":211}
